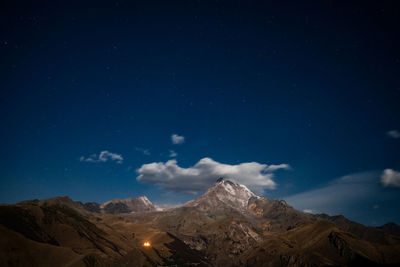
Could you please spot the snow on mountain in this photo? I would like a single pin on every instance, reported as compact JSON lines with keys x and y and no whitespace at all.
{"x":226,"y":193}
{"x":222,"y":195}
{"x":127,"y":205}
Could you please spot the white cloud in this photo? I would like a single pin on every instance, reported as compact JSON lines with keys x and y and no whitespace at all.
{"x":177,"y":139}
{"x":144,"y":151}
{"x":205,"y":172}
{"x":104,"y":156}
{"x":393,"y":134}
{"x":172,"y":154}
{"x":91,"y":158}
{"x":391,"y":178}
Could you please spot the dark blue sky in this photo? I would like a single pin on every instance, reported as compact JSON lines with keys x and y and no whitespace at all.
{"x":315,"y":86}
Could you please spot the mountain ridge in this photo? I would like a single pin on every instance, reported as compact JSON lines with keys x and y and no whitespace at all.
{"x":226,"y":226}
{"x":117,"y":206}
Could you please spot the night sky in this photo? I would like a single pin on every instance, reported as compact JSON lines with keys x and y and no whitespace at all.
{"x":93,"y":97}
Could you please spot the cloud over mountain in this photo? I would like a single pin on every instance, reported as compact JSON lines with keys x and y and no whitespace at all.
{"x":104,"y":156}
{"x":390,"y":178}
{"x":171,"y":176}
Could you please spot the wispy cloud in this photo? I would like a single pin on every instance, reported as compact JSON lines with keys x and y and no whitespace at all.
{"x":393,"y":134}
{"x":205,"y":172}
{"x":143,"y":151}
{"x":172,"y":154}
{"x":104,"y":156}
{"x":177,"y":139}
{"x":391,"y":178}
{"x":272,"y":167}
{"x":337,"y":196}
{"x":358,"y":196}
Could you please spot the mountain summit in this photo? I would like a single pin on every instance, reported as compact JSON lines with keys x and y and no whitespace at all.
{"x":222,"y":194}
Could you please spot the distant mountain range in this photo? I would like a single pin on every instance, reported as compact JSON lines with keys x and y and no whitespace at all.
{"x":116,"y":206}
{"x":227,"y":226}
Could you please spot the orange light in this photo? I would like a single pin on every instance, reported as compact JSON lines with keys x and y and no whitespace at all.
{"x":146,"y":244}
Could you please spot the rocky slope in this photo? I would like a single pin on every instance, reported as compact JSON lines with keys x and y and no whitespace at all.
{"x":319,"y":244}
{"x":59,"y":232}
{"x":234,"y":227}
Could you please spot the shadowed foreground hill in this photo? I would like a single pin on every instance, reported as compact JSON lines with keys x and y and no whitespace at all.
{"x":320,"y":244}
{"x":58,"y":232}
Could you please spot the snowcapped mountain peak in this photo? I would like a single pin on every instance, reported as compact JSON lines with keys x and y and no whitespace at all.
{"x":224,"y":191}
{"x":234,"y":189}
